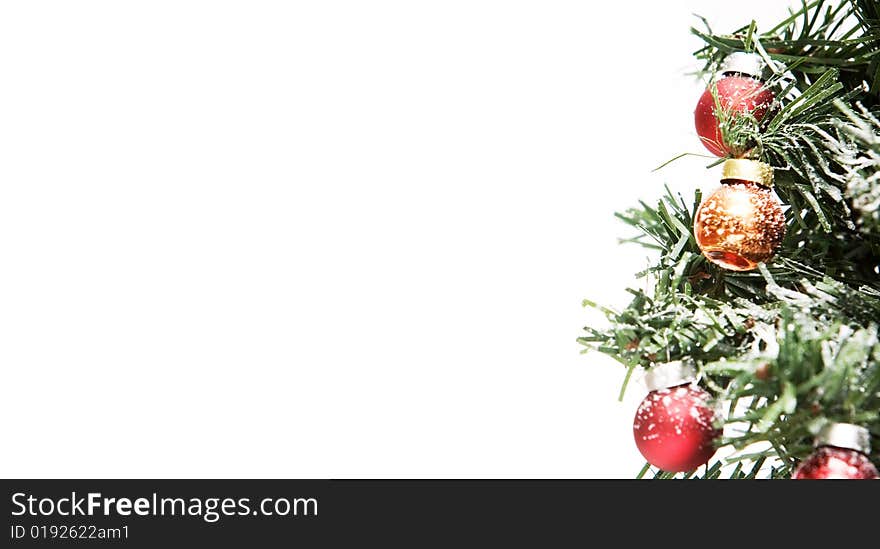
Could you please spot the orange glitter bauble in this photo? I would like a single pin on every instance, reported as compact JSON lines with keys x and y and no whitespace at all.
{"x":741,"y":224}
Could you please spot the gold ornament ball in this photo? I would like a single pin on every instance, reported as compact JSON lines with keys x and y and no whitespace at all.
{"x":741,"y":224}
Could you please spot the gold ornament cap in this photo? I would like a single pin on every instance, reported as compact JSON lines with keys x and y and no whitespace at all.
{"x":742,"y":169}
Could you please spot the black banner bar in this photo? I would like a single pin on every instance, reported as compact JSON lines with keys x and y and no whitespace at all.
{"x":402,"y":513}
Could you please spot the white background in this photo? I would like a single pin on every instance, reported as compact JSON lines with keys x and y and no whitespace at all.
{"x":329,"y":239}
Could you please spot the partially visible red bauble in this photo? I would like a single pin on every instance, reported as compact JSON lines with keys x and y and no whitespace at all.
{"x":829,"y":462}
{"x":674,"y":428}
{"x":736,"y":95}
{"x":842,"y":451}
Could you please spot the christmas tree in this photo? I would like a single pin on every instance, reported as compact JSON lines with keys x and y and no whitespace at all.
{"x":762,"y":325}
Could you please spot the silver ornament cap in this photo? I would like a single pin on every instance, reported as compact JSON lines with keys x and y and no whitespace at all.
{"x":844,"y":435}
{"x":749,"y":64}
{"x":669,"y":374}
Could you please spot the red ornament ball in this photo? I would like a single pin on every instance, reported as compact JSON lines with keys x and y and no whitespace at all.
{"x":829,"y":462}
{"x":736,"y":94}
{"x":674,"y":428}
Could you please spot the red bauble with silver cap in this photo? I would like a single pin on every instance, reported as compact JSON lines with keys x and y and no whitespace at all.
{"x":739,"y":90}
{"x":841,"y":453}
{"x":674,"y":425}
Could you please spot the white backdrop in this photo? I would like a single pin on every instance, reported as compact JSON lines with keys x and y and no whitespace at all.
{"x":328,"y":239}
